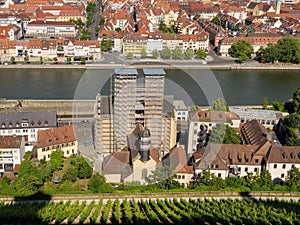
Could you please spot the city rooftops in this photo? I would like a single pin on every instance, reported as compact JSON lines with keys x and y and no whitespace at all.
{"x":154,"y":71}
{"x":256,"y":113}
{"x":126,"y":71}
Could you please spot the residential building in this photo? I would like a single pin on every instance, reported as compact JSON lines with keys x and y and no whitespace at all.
{"x":202,"y":122}
{"x":50,"y":29}
{"x":267,"y":118}
{"x":280,"y":160}
{"x":225,"y":160}
{"x":56,"y":139}
{"x":135,"y":44}
{"x":12,"y":150}
{"x":26,"y":123}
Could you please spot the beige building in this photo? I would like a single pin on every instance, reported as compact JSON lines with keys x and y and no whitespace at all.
{"x":56,"y":139}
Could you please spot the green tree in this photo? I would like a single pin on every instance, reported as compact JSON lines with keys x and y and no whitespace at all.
{"x":292,"y":179}
{"x":118,"y":29}
{"x":106,"y":44}
{"x":292,"y":120}
{"x":129,"y":55}
{"x":294,"y":105}
{"x":194,"y":108}
{"x":177,"y":53}
{"x":189,"y":54}
{"x":292,"y":138}
{"x":69,"y":60}
{"x":201,"y":54}
{"x":265,"y":103}
{"x":164,"y":177}
{"x":85,"y":35}
{"x":56,"y":160}
{"x":82,"y":60}
{"x":166,"y":53}
{"x":143,"y":54}
{"x":279,"y":106}
{"x":12,"y":60}
{"x":155,"y":54}
{"x":231,"y":136}
{"x":97,"y":184}
{"x":216,"y":20}
{"x":241,"y":49}
{"x":84,"y":169}
{"x":270,"y":53}
{"x":289,"y":50}
{"x":220,"y":105}
{"x":70,"y":174}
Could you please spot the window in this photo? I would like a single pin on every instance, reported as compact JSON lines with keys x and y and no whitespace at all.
{"x":283,"y":166}
{"x":275,"y":166}
{"x":183,"y":177}
{"x":239,"y":169}
{"x":144,"y":173}
{"x":282,"y":175}
{"x":1,"y":166}
{"x":256,"y":160}
{"x":68,"y":152}
{"x":219,"y":174}
{"x":246,"y":169}
{"x":293,"y":166}
{"x":255,"y":169}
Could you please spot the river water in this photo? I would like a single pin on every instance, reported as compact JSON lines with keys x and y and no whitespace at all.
{"x":238,"y":87}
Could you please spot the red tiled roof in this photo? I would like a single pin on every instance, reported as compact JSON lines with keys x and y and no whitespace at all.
{"x":10,"y":141}
{"x":57,"y":135}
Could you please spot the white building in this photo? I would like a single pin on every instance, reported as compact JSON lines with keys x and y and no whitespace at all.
{"x":26,"y":123}
{"x":267,"y":118}
{"x":282,"y":159}
{"x":50,"y":29}
{"x":12,"y":150}
{"x":202,"y":122}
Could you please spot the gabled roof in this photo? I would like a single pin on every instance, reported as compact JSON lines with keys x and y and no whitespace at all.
{"x":284,"y":154}
{"x":56,"y":136}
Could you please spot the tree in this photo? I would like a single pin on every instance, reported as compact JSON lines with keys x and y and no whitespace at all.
{"x":217,"y":134}
{"x":194,"y":108}
{"x":69,"y":60}
{"x":82,"y":60}
{"x":292,"y":179}
{"x":97,"y":184}
{"x":265,"y":103}
{"x":270,"y":53}
{"x":70,"y":174}
{"x":12,"y":60}
{"x":292,"y":138}
{"x":294,"y":105}
{"x":220,"y":105}
{"x":56,"y":160}
{"x":143,"y":54}
{"x":85,"y":35}
{"x":189,"y":54}
{"x":84,"y":169}
{"x":201,"y":54}
{"x":106,"y":44}
{"x":292,"y":120}
{"x":155,"y":54}
{"x":231,"y":136}
{"x":164,"y":177}
{"x":118,"y":29}
{"x":279,"y":106}
{"x":177,"y":53}
{"x":166,"y":53}
{"x":289,"y":50}
{"x":41,"y":59}
{"x":129,"y":55}
{"x":216,"y":20}
{"x":241,"y":49}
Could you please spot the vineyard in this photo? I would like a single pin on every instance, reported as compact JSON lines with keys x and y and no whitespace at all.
{"x":168,"y":211}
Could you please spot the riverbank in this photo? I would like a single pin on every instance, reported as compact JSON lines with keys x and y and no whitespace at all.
{"x":164,"y":65}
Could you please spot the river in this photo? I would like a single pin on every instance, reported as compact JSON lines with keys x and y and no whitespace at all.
{"x":238,"y":87}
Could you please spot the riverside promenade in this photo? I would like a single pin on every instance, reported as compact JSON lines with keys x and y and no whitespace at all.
{"x":166,"y":64}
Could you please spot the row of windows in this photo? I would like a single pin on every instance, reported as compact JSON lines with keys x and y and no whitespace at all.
{"x":48,"y":156}
{"x":54,"y":147}
{"x":283,"y":166}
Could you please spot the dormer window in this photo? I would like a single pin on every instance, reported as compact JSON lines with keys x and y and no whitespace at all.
{"x":3,"y":125}
{"x":17,"y":124}
{"x":39,"y":123}
{"x":10,"y":124}
{"x":46,"y":123}
{"x":32,"y":123}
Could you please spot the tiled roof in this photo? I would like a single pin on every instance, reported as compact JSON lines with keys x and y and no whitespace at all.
{"x":10,"y":141}
{"x":254,"y":133}
{"x":55,"y":136}
{"x":284,"y":154}
{"x":214,"y":116}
